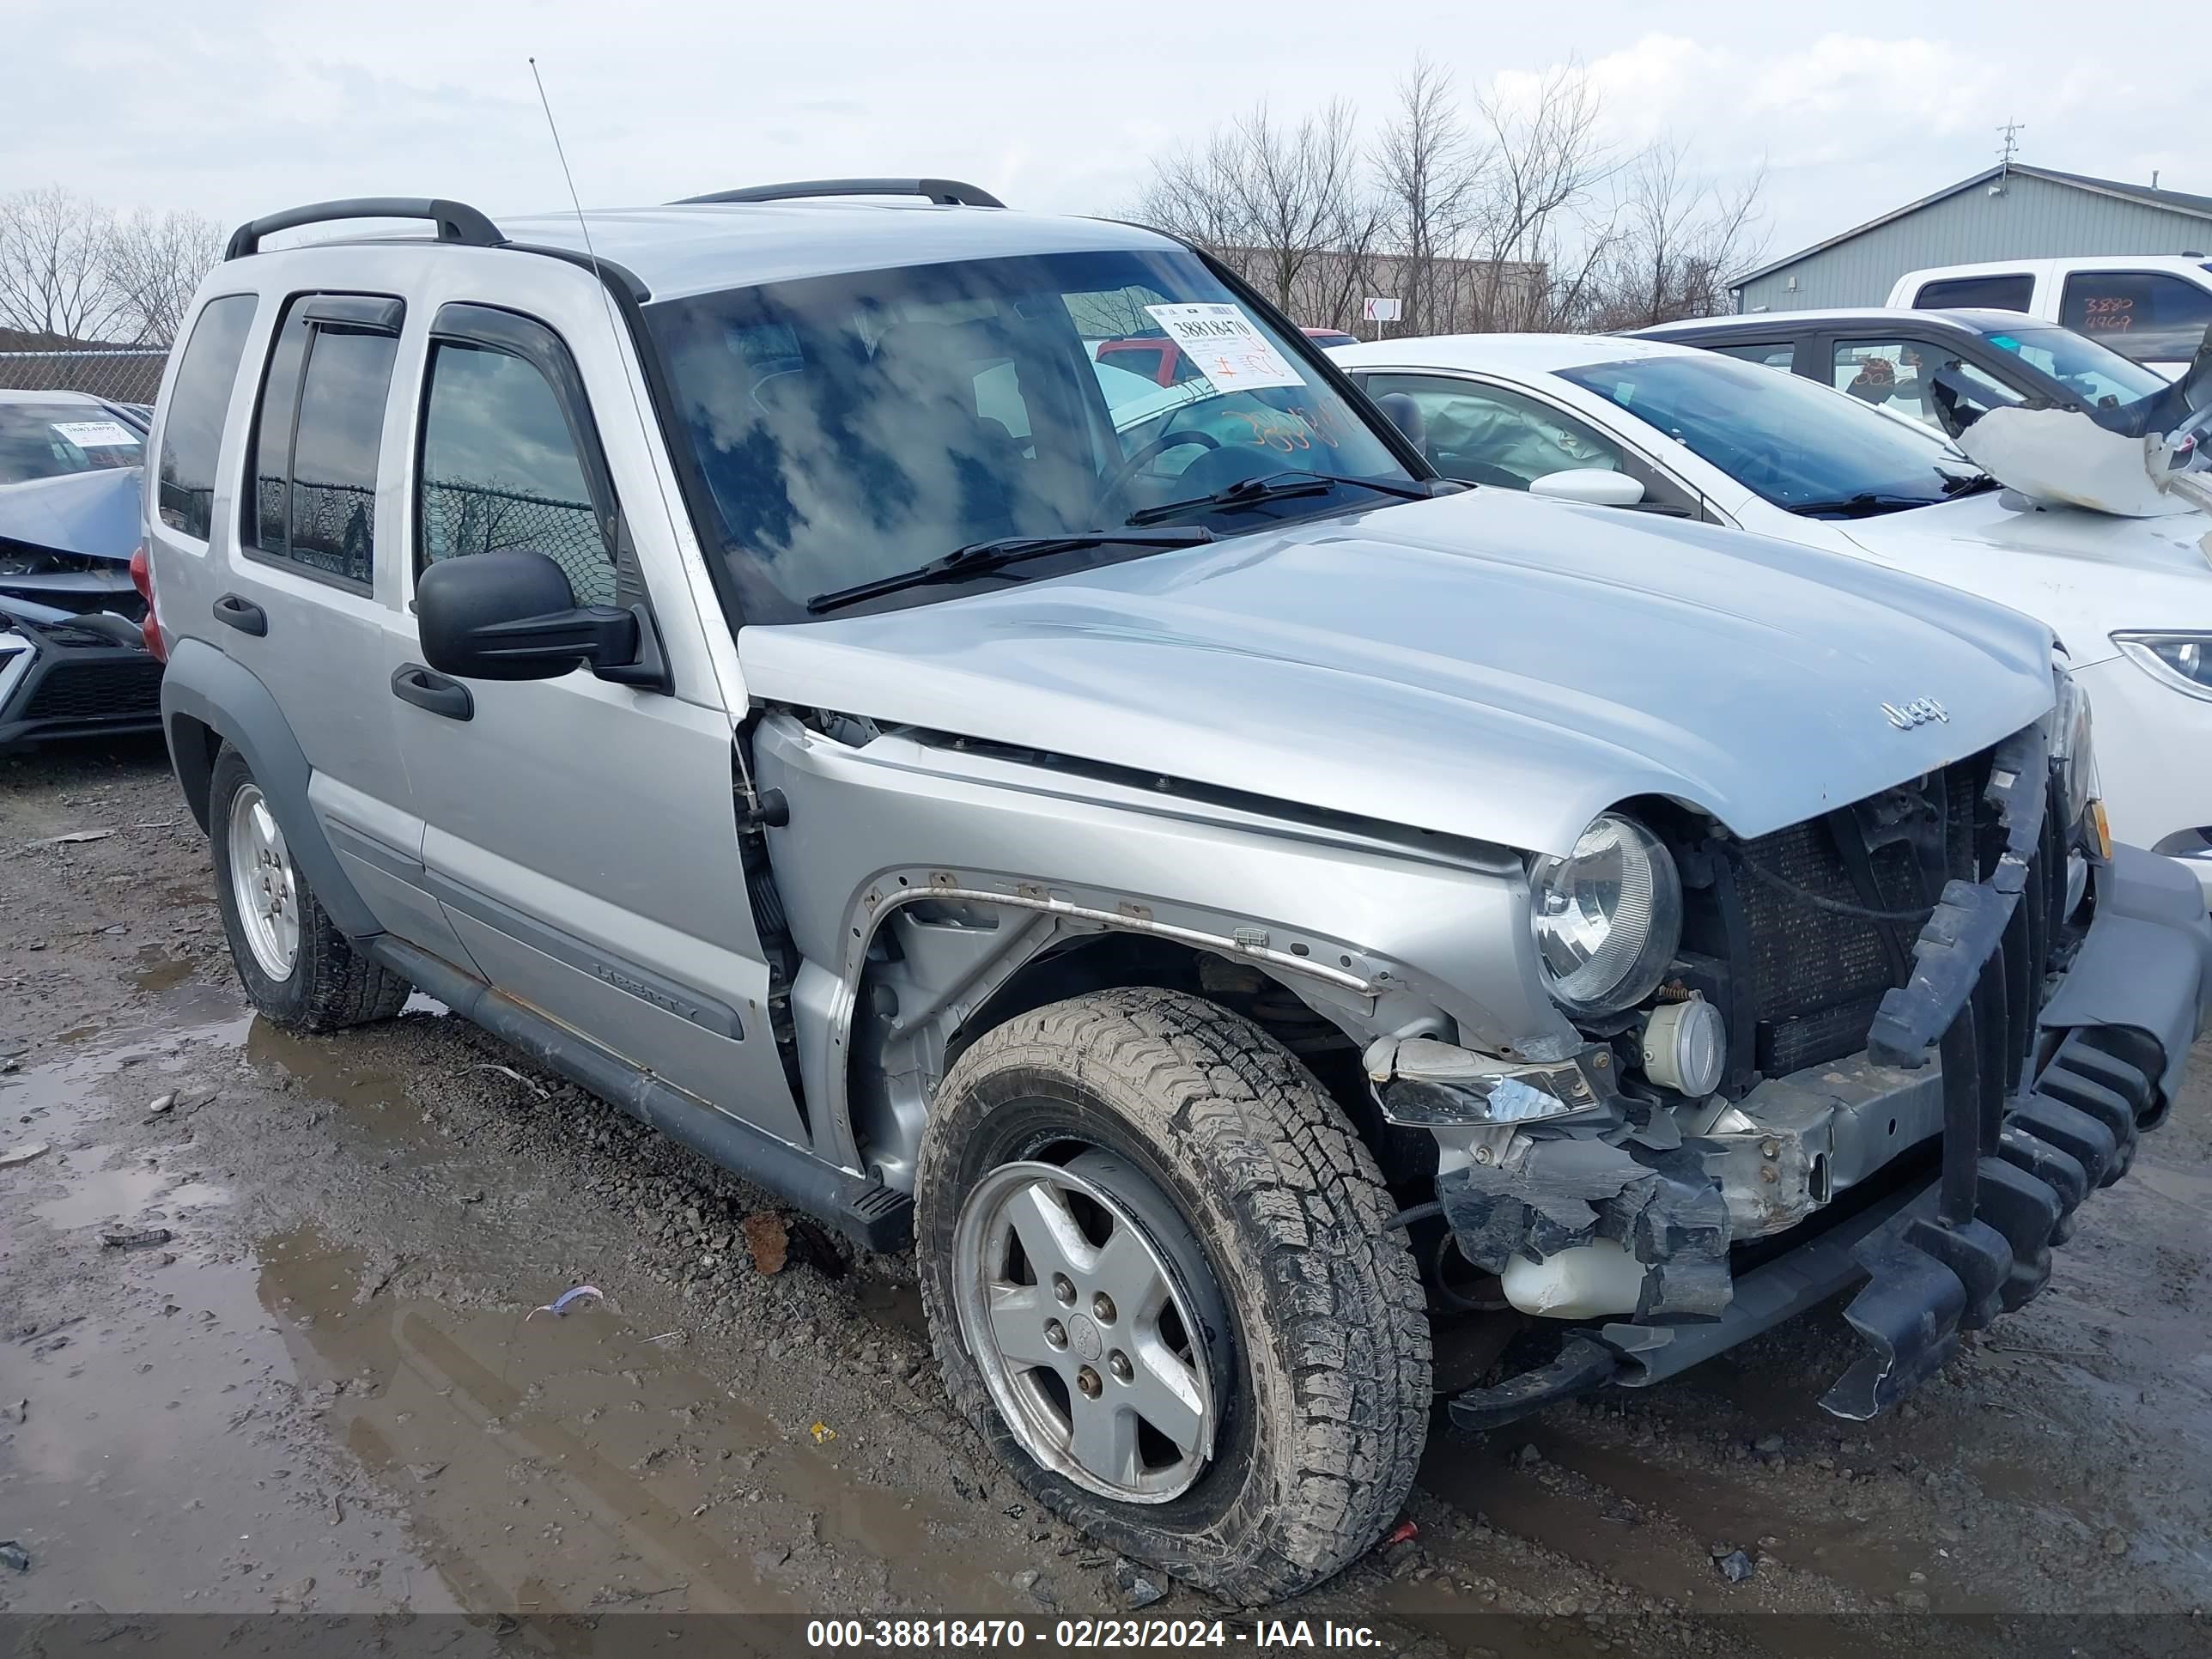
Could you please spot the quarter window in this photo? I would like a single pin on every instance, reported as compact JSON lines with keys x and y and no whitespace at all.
{"x":191,"y":430}
{"x":501,"y":469}
{"x":2005,"y":293}
{"x":2146,"y":315}
{"x":318,"y":438}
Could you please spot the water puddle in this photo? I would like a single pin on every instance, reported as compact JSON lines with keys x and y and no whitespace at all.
{"x":105,"y":1188}
{"x":160,"y":971}
{"x":279,"y":1425}
{"x":1863,"y":1551}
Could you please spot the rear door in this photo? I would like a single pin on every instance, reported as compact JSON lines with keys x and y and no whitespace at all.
{"x":309,"y":593}
{"x":580,"y":835}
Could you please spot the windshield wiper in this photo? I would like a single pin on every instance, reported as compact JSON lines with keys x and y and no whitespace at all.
{"x":981,"y":559}
{"x":1274,"y":487}
{"x":1866,"y":505}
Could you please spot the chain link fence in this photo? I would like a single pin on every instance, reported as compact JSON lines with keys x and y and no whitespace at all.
{"x":333,"y":528}
{"x":461,"y":518}
{"x":121,"y":374}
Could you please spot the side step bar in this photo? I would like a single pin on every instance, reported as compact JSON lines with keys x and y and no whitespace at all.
{"x":873,"y":1216}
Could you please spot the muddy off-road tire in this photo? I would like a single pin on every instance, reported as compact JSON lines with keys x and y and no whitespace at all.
{"x":1182,"y":1141}
{"x":297,"y":967}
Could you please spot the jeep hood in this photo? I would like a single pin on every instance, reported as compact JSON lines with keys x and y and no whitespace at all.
{"x":1489,"y":664}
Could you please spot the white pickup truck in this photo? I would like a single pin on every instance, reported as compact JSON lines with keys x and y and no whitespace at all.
{"x":2152,"y":307}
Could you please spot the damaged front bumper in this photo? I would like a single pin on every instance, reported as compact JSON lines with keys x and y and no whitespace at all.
{"x":1708,"y":1236}
{"x":69,"y":674}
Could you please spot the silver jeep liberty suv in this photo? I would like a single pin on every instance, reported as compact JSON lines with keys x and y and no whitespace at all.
{"x":1117,"y":820}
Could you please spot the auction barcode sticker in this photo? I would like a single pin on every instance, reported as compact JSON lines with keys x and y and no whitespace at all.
{"x":1225,"y":345}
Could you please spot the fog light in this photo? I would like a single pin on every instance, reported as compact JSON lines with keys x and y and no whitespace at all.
{"x":1686,"y":1047}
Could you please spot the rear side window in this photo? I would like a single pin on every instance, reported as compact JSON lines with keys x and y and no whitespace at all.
{"x":501,"y":469}
{"x":2006,"y":293}
{"x":318,"y":436}
{"x":192,"y":432}
{"x":2146,"y":315}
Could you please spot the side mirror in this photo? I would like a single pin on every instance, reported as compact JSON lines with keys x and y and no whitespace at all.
{"x":509,"y":615}
{"x":1593,"y":486}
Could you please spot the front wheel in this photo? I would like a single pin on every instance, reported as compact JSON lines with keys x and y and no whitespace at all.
{"x":1158,"y":1275}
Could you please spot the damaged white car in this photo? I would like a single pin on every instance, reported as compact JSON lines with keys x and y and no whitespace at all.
{"x":1673,"y":429}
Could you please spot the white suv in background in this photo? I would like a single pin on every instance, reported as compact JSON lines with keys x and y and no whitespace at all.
{"x":2153,"y":307}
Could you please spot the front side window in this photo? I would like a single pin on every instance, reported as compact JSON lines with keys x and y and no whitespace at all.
{"x":191,"y":429}
{"x":847,"y":428}
{"x":499,"y":469}
{"x":1487,"y":434}
{"x":1791,"y":441}
{"x":2084,"y":368}
{"x":317,"y":442}
{"x":46,"y":440}
{"x":2146,"y":315}
{"x":2009,"y":292}
{"x":1900,"y":376}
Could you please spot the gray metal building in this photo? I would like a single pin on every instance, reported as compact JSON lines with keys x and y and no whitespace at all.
{"x":2009,"y":212}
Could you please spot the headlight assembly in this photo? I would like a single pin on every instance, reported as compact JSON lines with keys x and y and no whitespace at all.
{"x":1607,"y":917}
{"x":2072,"y":751}
{"x":2183,"y":661}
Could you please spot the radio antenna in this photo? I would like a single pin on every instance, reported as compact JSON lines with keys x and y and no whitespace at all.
{"x":606,"y":299}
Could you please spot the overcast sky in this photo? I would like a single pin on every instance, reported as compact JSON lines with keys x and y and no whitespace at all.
{"x":237,"y":106}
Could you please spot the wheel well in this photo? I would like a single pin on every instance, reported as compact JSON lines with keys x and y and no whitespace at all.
{"x":1100,"y":961}
{"x":193,"y":745}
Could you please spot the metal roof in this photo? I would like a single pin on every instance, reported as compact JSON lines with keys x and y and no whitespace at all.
{"x":1982,"y":321}
{"x":55,"y":395}
{"x":2173,"y":201}
{"x":1530,"y":354}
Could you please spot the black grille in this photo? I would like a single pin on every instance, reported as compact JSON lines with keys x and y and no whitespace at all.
{"x":1817,"y":975}
{"x":98,"y":691}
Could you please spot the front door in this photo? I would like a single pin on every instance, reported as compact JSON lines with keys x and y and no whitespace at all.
{"x":580,"y":835}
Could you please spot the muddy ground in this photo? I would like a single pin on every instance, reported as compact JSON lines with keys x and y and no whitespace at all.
{"x":325,"y":1392}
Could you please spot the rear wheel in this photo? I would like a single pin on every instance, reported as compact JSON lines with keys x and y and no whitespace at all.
{"x":1158,"y":1275}
{"x":297,"y":967}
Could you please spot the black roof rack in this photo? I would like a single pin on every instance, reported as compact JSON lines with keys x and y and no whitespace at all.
{"x":457,"y":221}
{"x":945,"y":193}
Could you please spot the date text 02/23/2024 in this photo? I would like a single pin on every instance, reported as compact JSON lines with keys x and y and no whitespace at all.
{"x":1259,"y":1635}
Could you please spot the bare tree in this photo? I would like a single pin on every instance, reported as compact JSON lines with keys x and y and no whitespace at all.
{"x":1515,"y":214}
{"x":54,"y":281}
{"x":154,"y":265}
{"x":1427,"y":173}
{"x":1281,"y":204}
{"x":1546,"y":158}
{"x":1679,"y":239}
